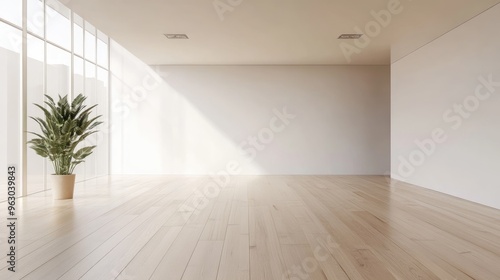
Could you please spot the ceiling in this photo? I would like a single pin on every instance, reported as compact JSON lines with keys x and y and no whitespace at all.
{"x":275,"y":31}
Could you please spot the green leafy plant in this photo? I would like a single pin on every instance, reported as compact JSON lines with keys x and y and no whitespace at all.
{"x":65,"y":126}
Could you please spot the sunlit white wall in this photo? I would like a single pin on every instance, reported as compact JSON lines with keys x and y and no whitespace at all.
{"x":196,"y":119}
{"x":452,"y":87}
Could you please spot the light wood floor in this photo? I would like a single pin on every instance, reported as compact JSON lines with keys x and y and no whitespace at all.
{"x":262,"y":227}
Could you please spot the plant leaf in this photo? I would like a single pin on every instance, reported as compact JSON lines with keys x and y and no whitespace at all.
{"x":64,"y":127}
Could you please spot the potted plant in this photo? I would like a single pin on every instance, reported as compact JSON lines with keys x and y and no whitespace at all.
{"x":64,"y":127}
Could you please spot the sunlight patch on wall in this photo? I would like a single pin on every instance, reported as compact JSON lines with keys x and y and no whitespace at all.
{"x":155,"y":130}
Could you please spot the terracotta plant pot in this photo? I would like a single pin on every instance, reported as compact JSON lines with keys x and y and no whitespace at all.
{"x":63,"y":186}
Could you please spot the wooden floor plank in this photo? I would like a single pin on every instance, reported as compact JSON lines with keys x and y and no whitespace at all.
{"x":77,"y":271}
{"x":253,"y":227}
{"x":234,"y":264}
{"x":266,"y":258}
{"x":176,"y":258}
{"x":301,"y":263}
{"x":204,"y":263}
{"x":147,"y":259}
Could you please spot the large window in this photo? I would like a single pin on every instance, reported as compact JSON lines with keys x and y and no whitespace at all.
{"x":10,"y":98}
{"x":36,"y":86}
{"x":77,"y":35}
{"x":102,"y":49}
{"x":58,"y":19}
{"x":90,"y":42}
{"x":64,"y":55}
{"x":36,"y":17}
{"x":12,"y":11}
{"x":58,"y":71}
{"x":90,"y":88}
{"x":102,"y":97}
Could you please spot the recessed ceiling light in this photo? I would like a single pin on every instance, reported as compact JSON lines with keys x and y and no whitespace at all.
{"x":350,"y":36}
{"x":177,"y":36}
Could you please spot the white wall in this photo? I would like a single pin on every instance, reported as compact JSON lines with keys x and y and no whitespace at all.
{"x":440,"y":88}
{"x":193,"y":119}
